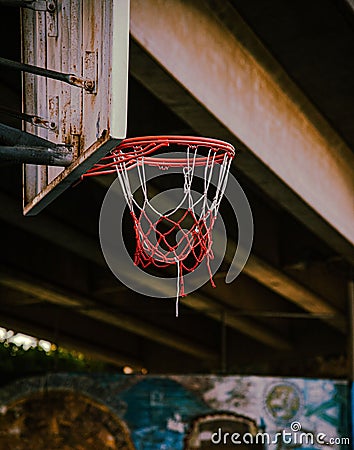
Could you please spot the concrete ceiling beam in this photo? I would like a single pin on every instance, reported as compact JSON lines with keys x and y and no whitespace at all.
{"x":213,"y":72}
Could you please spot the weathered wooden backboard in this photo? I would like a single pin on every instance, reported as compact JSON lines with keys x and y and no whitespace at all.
{"x":89,"y":39}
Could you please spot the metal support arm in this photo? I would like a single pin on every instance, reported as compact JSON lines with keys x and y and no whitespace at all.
{"x":57,"y":156}
{"x":30,"y":118}
{"x":13,"y":136}
{"x":88,"y":85}
{"x":19,"y":146}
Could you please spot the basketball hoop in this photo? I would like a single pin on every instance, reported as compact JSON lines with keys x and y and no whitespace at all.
{"x":154,"y":229}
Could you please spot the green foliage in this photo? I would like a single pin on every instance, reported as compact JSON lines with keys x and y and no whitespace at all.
{"x":17,"y":362}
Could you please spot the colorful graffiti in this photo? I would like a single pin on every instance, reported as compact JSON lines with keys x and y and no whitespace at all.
{"x":201,"y":412}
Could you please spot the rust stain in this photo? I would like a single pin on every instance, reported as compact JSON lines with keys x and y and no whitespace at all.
{"x":76,"y":144}
{"x":90,"y":13}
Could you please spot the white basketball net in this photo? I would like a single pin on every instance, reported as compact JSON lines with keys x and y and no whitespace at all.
{"x":154,"y":228}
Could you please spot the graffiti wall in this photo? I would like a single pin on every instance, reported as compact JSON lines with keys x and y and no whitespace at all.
{"x":71,"y":411}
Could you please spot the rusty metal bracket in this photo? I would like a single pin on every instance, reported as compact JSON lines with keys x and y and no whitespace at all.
{"x":74,"y":80}
{"x":30,"y":118}
{"x":43,"y":123}
{"x":90,"y":68}
{"x":88,"y":85}
{"x":52,"y":18}
{"x":12,"y":136}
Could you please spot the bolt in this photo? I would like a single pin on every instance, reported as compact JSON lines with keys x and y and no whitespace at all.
{"x":51,"y":7}
{"x":89,"y":85}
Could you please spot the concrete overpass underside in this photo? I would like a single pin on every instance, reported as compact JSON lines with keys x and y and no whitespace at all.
{"x":211,"y":68}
